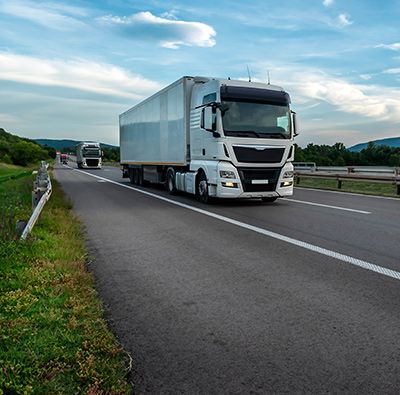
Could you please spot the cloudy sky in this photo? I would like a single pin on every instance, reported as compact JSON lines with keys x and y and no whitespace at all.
{"x":68,"y":69}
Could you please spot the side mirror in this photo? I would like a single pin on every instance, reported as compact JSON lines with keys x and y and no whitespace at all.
{"x":295,"y":124}
{"x":208,"y":119}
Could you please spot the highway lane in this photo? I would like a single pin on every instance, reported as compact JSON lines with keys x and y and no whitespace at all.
{"x":206,"y":306}
{"x":373,"y":237}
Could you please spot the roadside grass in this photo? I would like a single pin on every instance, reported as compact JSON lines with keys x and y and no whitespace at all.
{"x":53,"y":339}
{"x":367,"y":188}
{"x":8,"y":172}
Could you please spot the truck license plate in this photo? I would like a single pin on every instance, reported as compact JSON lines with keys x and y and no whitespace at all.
{"x":259,"y":181}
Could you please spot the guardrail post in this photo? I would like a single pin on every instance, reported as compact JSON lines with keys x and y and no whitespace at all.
{"x":40,"y":195}
{"x":297,"y":180}
{"x":398,"y":189}
{"x":339,"y":184}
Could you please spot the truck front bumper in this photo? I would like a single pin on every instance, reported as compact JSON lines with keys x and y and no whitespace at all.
{"x":253,"y":182}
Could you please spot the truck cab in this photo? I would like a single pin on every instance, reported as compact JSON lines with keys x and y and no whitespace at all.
{"x":242,"y":139}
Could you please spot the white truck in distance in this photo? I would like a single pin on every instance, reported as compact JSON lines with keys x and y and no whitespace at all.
{"x":88,"y":155}
{"x":212,"y":138}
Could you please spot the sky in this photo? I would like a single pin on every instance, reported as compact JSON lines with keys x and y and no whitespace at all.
{"x":68,"y":69}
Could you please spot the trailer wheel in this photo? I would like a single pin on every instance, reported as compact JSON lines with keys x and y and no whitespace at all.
{"x":170,"y":181}
{"x":136,"y":176}
{"x":131,"y":175}
{"x":269,"y":199}
{"x":202,"y":188}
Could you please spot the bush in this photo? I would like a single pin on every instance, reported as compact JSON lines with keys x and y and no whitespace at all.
{"x":24,"y":153}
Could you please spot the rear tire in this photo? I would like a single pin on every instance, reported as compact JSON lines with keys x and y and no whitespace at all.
{"x":131,"y":175}
{"x":202,"y":193}
{"x":269,"y":199}
{"x":170,"y":182}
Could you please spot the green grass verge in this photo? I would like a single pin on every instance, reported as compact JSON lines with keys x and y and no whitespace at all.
{"x":367,"y":188}
{"x":53,"y":339}
{"x":9,"y":172}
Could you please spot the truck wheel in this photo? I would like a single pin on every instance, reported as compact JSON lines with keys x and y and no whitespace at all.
{"x":202,"y":189}
{"x":269,"y":199}
{"x":140,"y":180}
{"x":170,"y":181}
{"x":136,"y":176}
{"x":131,"y":175}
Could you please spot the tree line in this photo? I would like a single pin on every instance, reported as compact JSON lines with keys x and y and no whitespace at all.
{"x":22,"y":151}
{"x":338,"y":155}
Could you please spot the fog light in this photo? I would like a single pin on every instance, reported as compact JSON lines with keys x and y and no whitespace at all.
{"x":286,"y":183}
{"x":229,"y":184}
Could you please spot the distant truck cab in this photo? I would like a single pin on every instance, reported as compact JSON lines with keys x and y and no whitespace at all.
{"x":64,"y":158}
{"x":88,"y":155}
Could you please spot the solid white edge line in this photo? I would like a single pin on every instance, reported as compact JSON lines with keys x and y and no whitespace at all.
{"x":349,"y":193}
{"x":320,"y":250}
{"x":328,"y":206}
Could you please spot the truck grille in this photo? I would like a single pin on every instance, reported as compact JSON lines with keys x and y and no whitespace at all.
{"x":92,"y":162}
{"x":252,"y":155}
{"x":247,"y":175}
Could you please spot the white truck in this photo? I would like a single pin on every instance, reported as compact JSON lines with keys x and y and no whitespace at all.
{"x":213,"y":138}
{"x":88,"y":155}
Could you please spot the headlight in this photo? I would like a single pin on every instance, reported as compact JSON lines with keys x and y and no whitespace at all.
{"x":288,"y":174}
{"x":227,"y":174}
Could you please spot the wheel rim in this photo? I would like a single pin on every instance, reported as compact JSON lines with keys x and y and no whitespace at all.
{"x":203,"y":188}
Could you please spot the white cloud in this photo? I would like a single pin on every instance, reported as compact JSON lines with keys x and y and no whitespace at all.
{"x":344,"y":20}
{"x":83,"y":75}
{"x":392,"y":71}
{"x":392,"y":47}
{"x":327,"y":3}
{"x":170,"y":33}
{"x":52,"y":15}
{"x":307,"y":86}
{"x":366,"y":77}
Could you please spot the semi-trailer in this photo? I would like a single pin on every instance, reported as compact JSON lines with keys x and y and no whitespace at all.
{"x":88,"y":155}
{"x":213,"y":138}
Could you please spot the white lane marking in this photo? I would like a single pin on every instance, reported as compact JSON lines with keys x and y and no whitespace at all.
{"x":102,"y":181}
{"x":349,"y":193}
{"x":328,"y":206}
{"x":320,"y":250}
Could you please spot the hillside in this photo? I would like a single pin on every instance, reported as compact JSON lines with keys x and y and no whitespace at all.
{"x":391,"y":142}
{"x":65,"y":143}
{"x":22,"y":151}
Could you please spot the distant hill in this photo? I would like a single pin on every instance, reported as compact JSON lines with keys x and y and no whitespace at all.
{"x":391,"y":142}
{"x":61,"y":144}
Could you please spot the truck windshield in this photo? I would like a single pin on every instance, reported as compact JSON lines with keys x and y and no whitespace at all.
{"x":91,"y":152}
{"x":255,"y":119}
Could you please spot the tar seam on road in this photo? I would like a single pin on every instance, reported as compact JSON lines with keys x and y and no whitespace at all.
{"x":320,"y":250}
{"x":328,"y":206}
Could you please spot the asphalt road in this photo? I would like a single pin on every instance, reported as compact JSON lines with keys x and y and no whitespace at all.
{"x":302,"y":295}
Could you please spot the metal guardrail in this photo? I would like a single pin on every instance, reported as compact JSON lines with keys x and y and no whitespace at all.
{"x":350,"y":176}
{"x":311,"y":166}
{"x":40,"y":195}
